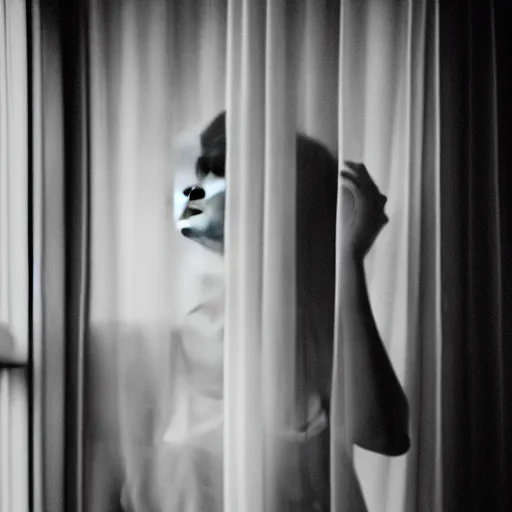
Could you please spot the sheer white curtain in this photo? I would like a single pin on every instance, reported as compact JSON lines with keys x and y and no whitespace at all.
{"x":390,"y":121}
{"x":387,"y":119}
{"x":13,"y":176}
{"x":157,"y":77}
{"x":360,"y":78}
{"x":14,"y":252}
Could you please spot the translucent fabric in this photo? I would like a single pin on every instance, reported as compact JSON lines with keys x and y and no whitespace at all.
{"x":207,"y":374}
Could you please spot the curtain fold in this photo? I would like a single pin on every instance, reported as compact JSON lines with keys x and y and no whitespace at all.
{"x":503,"y":55}
{"x":390,"y":123}
{"x":47,"y":272}
{"x":244,"y":246}
{"x":13,"y":179}
{"x":260,"y":349}
{"x":14,"y":258}
{"x":77,"y":246}
{"x":475,"y":363}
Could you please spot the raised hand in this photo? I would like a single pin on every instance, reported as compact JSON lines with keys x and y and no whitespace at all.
{"x":363,"y":209}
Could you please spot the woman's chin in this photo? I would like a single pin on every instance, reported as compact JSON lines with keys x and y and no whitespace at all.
{"x":217,"y":246}
{"x":213,"y":244}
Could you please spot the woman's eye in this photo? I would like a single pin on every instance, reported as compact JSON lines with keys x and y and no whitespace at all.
{"x":206,"y":165}
{"x":202,"y":167}
{"x":217,"y":166}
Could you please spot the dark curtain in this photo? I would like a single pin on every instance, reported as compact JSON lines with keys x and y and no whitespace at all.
{"x":475,"y":118}
{"x":74,"y":51}
{"x":503,"y":17}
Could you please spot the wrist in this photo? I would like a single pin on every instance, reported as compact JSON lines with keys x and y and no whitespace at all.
{"x":350,"y":255}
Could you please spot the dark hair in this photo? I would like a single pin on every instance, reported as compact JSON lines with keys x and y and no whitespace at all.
{"x":316,"y":198}
{"x":213,"y":148}
{"x":316,"y":202}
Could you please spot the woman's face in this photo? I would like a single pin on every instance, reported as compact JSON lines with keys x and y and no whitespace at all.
{"x":202,"y":219}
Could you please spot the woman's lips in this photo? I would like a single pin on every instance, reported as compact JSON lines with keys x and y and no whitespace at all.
{"x":190,"y":212}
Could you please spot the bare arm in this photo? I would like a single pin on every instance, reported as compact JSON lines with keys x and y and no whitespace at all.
{"x":378,"y":409}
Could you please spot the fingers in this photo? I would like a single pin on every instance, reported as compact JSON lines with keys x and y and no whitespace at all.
{"x":351,"y":190}
{"x":358,"y":174}
{"x":358,"y":183}
{"x":350,"y":178}
{"x":363,"y":176}
{"x":348,"y":201}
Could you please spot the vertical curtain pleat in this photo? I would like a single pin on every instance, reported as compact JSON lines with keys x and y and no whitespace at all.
{"x":344,"y":488}
{"x":244,"y":246}
{"x":387,"y":121}
{"x":13,"y":174}
{"x":47,"y":273}
{"x":423,"y":466}
{"x":75,"y":51}
{"x":502,"y":17}
{"x":232,"y":333}
{"x":317,"y":64}
{"x":279,"y":269}
{"x":483,"y":271}
{"x":158,"y":76}
{"x":474,"y":367}
{"x":14,"y":260}
{"x":453,"y":68}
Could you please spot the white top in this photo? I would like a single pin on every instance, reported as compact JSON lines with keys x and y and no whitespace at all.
{"x":198,"y":411}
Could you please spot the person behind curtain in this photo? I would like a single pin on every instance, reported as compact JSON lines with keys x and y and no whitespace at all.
{"x":379,"y":408}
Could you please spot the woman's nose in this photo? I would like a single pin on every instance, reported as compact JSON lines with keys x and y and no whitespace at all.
{"x":194,"y":193}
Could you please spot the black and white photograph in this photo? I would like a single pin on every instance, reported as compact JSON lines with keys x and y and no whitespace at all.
{"x":255,"y":256}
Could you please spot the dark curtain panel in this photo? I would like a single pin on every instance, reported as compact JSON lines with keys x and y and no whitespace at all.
{"x":47,"y":308}
{"x":475,"y":159}
{"x":74,"y":50}
{"x":503,"y":17}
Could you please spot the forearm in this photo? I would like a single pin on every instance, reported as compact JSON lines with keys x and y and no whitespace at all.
{"x":377,"y":406}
